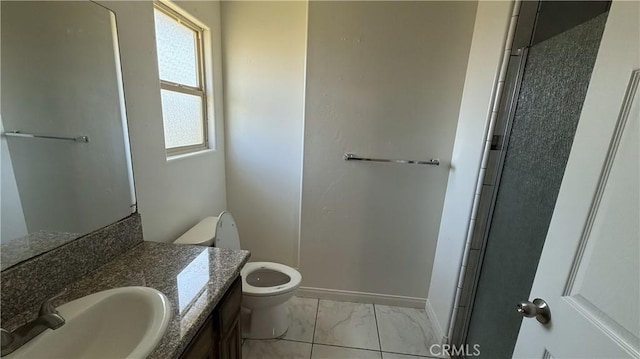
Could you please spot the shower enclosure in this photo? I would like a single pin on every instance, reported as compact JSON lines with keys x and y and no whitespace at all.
{"x":555,"y":45}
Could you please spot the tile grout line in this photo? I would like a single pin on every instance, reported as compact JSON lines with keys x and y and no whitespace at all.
{"x":313,"y":342}
{"x":347,"y":347}
{"x":414,"y":355}
{"x":354,"y":348}
{"x":315,"y":325}
{"x":282,"y":340}
{"x":375,"y":317}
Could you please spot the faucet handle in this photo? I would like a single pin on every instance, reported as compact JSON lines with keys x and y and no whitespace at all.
{"x":47,"y":306}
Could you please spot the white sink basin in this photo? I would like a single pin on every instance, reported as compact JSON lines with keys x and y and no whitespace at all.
{"x":125,"y":322}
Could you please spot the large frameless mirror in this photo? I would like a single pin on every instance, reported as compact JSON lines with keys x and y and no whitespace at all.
{"x":65,"y":162}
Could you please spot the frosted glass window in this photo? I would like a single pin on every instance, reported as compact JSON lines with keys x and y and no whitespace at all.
{"x":183,"y":119}
{"x":180,"y":64}
{"x":177,"y":47}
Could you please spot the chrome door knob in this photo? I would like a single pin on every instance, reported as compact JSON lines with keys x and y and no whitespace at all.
{"x":538,"y":309}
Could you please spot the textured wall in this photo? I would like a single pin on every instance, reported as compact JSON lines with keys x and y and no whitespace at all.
{"x":172,"y":195}
{"x":11,"y":213}
{"x":384,"y":79}
{"x":264,"y":49}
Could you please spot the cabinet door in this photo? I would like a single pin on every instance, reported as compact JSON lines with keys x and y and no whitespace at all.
{"x":204,"y":344}
{"x":228,"y":322}
{"x":228,"y":311}
{"x":221,"y":336}
{"x":231,"y":343}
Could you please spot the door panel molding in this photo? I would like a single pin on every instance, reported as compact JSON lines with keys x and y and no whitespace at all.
{"x":618,"y":131}
{"x":615,"y":330}
{"x":601,"y":320}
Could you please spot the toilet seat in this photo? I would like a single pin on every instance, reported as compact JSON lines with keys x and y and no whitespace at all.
{"x":292,"y":284}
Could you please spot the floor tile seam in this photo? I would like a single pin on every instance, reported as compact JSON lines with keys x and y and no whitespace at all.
{"x":347,"y":347}
{"x":315,"y":325}
{"x":375,"y":316}
{"x":401,"y":353}
{"x":279,"y":340}
{"x":342,"y":346}
{"x":414,"y":355}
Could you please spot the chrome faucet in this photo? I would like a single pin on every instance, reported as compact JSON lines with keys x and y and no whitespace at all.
{"x":48,"y":318}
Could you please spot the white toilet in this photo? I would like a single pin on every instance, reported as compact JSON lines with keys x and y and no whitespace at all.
{"x":266,"y":286}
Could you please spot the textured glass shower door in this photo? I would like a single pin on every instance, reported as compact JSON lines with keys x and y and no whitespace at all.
{"x":533,"y":155}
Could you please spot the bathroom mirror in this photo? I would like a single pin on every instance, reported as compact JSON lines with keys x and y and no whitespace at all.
{"x":65,"y":165}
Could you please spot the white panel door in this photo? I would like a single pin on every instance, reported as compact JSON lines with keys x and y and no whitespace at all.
{"x":589,"y":271}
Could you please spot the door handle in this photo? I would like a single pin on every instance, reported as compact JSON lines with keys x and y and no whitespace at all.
{"x":538,"y":309}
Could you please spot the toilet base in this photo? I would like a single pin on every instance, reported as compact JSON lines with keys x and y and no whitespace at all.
{"x":265,"y":323}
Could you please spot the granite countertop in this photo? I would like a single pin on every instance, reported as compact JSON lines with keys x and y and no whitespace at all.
{"x":29,"y":246}
{"x":193,"y":278}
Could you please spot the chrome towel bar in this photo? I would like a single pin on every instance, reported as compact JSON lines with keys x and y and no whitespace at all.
{"x":353,"y":157}
{"x":31,"y":135}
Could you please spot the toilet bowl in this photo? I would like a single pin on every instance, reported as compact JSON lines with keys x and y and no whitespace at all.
{"x":266,"y":286}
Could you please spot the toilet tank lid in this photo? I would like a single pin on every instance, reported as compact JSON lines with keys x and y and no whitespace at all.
{"x":202,"y":234}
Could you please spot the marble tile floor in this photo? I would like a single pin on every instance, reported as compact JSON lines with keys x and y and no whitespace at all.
{"x":326,"y":329}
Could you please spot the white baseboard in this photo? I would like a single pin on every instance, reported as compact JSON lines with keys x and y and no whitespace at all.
{"x":431,"y":314}
{"x":361,"y":297}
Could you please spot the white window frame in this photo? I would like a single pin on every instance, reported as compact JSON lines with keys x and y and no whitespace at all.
{"x":201,"y":89}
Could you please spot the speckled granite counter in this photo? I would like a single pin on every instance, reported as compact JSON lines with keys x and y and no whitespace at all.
{"x":170,"y":269}
{"x":31,"y":245}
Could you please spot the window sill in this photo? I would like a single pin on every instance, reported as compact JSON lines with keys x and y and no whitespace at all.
{"x":171,"y":158}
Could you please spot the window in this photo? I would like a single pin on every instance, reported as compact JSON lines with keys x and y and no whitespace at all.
{"x":179,"y":42}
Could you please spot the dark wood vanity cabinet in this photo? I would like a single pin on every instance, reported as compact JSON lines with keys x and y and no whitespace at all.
{"x":226,"y":317}
{"x":220,"y":337}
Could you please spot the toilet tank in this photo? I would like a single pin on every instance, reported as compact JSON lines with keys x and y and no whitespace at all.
{"x":202,"y":234}
{"x":218,"y":231}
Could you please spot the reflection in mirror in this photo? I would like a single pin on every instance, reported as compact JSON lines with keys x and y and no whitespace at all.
{"x":60,"y":79}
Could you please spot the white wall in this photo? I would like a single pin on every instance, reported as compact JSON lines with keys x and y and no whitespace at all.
{"x":172,"y":195}
{"x":264,"y":48}
{"x":11,"y":214}
{"x":384,"y":79}
{"x":486,"y":53}
{"x":60,"y":78}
